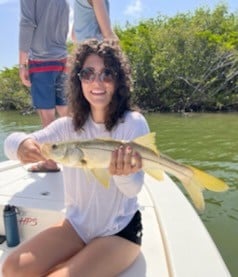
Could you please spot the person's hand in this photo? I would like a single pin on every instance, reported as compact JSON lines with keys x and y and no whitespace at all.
{"x":125,"y":161}
{"x":24,"y":75}
{"x":112,"y":36}
{"x":29,"y":152}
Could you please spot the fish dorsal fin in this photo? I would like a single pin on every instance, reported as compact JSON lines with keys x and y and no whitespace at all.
{"x":148,"y":141}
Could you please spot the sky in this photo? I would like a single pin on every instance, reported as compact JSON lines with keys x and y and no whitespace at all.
{"x":121,"y":11}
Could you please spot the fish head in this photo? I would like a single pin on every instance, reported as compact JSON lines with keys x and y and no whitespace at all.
{"x":63,"y":153}
{"x":54,"y":151}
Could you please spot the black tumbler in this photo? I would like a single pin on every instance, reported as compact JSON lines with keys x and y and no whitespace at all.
{"x":11,"y":226}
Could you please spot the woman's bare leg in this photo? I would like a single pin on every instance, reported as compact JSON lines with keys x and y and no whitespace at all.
{"x":47,"y":249}
{"x":102,"y":257}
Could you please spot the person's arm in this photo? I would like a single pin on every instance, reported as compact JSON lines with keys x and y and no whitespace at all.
{"x":58,"y":130}
{"x":26,"y":31}
{"x":29,"y":151}
{"x":125,"y":167}
{"x":23,"y":147}
{"x":73,"y":36}
{"x":129,"y":177}
{"x":23,"y":68}
{"x":103,"y":19}
{"x":11,"y":144}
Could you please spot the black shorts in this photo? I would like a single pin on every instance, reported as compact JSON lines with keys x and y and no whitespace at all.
{"x":133,"y":231}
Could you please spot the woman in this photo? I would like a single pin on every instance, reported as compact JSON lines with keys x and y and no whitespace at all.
{"x":101,"y":234}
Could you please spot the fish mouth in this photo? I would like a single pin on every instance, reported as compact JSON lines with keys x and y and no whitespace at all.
{"x":45,"y":150}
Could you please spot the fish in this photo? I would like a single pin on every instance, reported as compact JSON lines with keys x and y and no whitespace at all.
{"x":95,"y":155}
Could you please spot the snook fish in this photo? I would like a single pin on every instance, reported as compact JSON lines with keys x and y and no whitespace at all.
{"x":95,"y":155}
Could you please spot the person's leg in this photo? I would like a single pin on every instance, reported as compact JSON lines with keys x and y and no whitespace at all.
{"x":43,"y":98}
{"x":48,"y":89}
{"x":44,"y":251}
{"x":62,"y":110}
{"x":56,"y":80}
{"x":46,"y":116}
{"x":106,"y":256}
{"x":60,"y":94}
{"x":102,"y":257}
{"x":43,"y":94}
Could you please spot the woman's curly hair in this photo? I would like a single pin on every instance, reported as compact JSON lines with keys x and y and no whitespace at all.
{"x":114,"y":59}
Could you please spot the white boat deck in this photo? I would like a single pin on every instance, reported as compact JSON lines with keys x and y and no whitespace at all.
{"x":175,"y":242}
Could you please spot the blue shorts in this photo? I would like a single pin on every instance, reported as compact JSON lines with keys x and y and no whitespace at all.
{"x":47,"y":84}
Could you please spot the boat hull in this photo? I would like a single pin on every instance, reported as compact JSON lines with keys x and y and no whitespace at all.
{"x":175,"y":241}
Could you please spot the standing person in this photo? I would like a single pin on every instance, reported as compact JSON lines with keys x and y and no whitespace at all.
{"x":101,"y":234}
{"x":91,"y":20}
{"x":42,"y":60}
{"x":43,"y":53}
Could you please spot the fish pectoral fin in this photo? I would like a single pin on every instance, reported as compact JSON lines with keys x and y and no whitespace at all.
{"x":155,"y":172}
{"x":73,"y":156}
{"x":102,"y":175}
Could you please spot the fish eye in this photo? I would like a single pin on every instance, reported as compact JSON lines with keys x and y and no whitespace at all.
{"x":83,"y":162}
{"x":54,"y":146}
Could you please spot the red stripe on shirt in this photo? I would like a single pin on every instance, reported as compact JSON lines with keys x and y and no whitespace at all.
{"x":47,"y":68}
{"x":42,"y":61}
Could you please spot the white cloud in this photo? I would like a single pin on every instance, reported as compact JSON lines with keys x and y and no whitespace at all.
{"x":134,"y":9}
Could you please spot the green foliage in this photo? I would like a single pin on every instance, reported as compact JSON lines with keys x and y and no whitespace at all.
{"x":185,"y":63}
{"x":13,"y":95}
{"x":70,"y":46}
{"x":188,"y":62}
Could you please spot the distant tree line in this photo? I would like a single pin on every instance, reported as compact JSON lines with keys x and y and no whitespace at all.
{"x":188,"y":62}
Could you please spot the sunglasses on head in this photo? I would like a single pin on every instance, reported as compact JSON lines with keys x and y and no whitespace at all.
{"x":88,"y":75}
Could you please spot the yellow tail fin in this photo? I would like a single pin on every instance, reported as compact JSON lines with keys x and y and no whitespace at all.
{"x":198,"y":183}
{"x":195,"y":193}
{"x":208,"y":181}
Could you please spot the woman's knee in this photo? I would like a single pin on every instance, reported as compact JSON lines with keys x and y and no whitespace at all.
{"x":10,"y":266}
{"x":19,"y":265}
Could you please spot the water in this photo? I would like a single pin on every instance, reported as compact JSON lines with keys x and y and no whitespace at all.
{"x":207,"y":141}
{"x":14,"y":122}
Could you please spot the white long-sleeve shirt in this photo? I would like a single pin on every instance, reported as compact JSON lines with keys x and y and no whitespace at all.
{"x":92,"y":210}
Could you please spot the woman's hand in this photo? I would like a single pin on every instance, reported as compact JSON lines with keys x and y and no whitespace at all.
{"x":125,"y":161}
{"x":29,"y":152}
